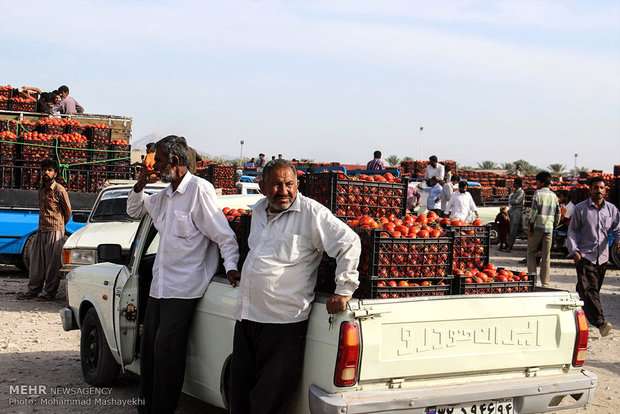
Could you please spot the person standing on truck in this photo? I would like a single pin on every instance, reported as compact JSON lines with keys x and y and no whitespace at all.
{"x":590,"y":224}
{"x":46,"y":253}
{"x":289,"y":233}
{"x":544,"y":215}
{"x":68,"y":105}
{"x":516,"y":201}
{"x":434,"y":169}
{"x":191,"y":228}
{"x":376,"y":164}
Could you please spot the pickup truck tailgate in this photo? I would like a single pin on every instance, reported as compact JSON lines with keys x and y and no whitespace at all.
{"x":443,"y":336}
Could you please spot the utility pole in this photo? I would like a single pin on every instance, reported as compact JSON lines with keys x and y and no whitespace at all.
{"x":575,"y":170}
{"x":241,"y":153}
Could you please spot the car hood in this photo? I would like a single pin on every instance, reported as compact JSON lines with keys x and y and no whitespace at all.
{"x":112,"y":232}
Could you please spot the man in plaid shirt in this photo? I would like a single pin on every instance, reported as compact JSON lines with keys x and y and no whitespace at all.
{"x":376,"y":163}
{"x":545,"y":213}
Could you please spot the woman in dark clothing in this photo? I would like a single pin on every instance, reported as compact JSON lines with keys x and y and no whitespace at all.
{"x":502,"y":221}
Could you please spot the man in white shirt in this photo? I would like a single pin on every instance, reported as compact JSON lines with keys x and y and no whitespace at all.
{"x":447,"y":190}
{"x":288,"y":236}
{"x":434,"y":169}
{"x":191,"y":228}
{"x":461,"y":205}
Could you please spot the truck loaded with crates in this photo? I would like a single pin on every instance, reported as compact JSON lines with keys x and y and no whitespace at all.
{"x":90,"y":150}
{"x":433,"y":328}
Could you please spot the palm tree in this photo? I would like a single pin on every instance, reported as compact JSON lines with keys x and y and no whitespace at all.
{"x":525,"y":167}
{"x":393,"y":160}
{"x":557,"y":169}
{"x":487,"y":165}
{"x":508,"y":166}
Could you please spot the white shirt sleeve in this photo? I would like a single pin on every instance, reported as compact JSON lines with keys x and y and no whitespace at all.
{"x":340,"y":242}
{"x":472,"y":204}
{"x":449,"y":206}
{"x":211,"y":222}
{"x":570,"y":209}
{"x":136,"y":204}
{"x":442,"y":171}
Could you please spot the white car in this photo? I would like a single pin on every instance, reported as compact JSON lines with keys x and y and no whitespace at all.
{"x":495,"y":353}
{"x":109,"y":223}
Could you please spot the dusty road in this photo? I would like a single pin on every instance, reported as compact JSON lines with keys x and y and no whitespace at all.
{"x":35,"y":350}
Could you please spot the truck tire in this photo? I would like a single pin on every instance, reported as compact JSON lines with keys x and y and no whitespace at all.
{"x":24,"y":262}
{"x":98,"y":365}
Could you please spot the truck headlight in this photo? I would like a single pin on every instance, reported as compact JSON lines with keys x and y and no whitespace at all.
{"x":79,"y":256}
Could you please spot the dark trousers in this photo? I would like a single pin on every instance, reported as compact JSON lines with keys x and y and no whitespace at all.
{"x":266,"y":366}
{"x":45,"y":262}
{"x":589,"y":282}
{"x":163,"y":352}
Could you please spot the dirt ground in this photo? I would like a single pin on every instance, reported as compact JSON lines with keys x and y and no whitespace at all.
{"x":34,"y":350}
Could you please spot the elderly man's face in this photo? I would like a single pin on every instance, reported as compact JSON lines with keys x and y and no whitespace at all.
{"x":280,"y":188}
{"x":162,"y":166}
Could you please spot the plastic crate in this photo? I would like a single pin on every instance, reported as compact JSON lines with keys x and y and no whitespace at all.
{"x":403,"y":257}
{"x":23,"y":106}
{"x":470,"y":248}
{"x":460,"y":287}
{"x":348,"y":198}
{"x":28,"y":175}
{"x":98,"y":136}
{"x":37,"y":151}
{"x":7,"y":176}
{"x":4,"y":103}
{"x":371,"y":286}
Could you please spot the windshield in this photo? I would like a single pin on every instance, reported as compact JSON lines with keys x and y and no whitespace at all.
{"x":112,"y":206}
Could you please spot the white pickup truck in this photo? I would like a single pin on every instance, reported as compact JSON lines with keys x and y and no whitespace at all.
{"x":497,"y":353}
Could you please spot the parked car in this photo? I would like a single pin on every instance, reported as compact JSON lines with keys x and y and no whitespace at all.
{"x":503,"y":353}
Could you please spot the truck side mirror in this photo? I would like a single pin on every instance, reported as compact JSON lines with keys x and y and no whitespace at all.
{"x":109,"y":253}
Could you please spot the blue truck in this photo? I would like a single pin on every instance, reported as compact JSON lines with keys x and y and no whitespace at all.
{"x":19,"y":220}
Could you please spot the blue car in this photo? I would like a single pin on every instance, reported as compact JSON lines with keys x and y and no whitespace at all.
{"x":19,"y":221}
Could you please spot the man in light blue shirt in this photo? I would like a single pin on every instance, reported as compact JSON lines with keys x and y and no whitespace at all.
{"x":433,"y":202}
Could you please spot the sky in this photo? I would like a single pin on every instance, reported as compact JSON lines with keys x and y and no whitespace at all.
{"x":334,"y":80}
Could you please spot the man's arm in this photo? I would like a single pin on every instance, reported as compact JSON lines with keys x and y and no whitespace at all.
{"x":449,"y":206}
{"x":533,"y":211}
{"x":574,"y":226}
{"x":79,"y":108}
{"x":472,"y":205}
{"x":65,"y":205}
{"x":340,"y":242}
{"x":211,"y":222}
{"x":615,"y":228}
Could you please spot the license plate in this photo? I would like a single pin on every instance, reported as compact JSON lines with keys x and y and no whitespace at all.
{"x":480,"y":407}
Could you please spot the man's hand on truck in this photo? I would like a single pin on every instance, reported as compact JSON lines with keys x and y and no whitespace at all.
{"x":337,"y":303}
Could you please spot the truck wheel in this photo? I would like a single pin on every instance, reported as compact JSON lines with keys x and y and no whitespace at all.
{"x":98,"y":365}
{"x":24,"y":262}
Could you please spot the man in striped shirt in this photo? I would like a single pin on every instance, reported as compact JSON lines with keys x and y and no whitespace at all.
{"x":46,"y":251}
{"x":376,"y":164}
{"x":545,"y":213}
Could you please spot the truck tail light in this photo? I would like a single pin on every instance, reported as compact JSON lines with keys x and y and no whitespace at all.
{"x":347,"y":361}
{"x":66,"y":256}
{"x":581,"y":343}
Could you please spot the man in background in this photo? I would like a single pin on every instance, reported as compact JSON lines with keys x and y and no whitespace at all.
{"x":46,"y":252}
{"x":68,"y":105}
{"x":544,"y":215}
{"x":448,"y":188}
{"x":376,"y":164}
{"x":516,"y":201}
